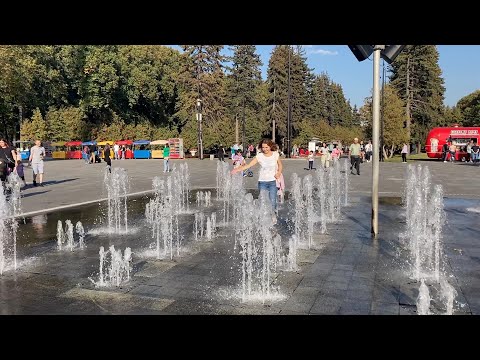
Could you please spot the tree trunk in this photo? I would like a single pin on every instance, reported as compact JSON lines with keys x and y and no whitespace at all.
{"x":20,"y":119}
{"x":408,"y":110}
{"x":419,"y":147}
{"x":385,"y":155}
{"x":391,"y":151}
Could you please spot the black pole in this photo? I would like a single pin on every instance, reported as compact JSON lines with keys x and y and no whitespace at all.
{"x":381,"y":157}
{"x":289,"y":112}
{"x":243,"y":129}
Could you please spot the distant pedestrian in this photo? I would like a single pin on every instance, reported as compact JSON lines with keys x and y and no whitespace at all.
{"x":368,"y":151}
{"x":354,"y":155}
{"x":404,"y":153}
{"x":221,"y":153}
{"x":445,"y":151}
{"x":106,"y":157}
{"x":310,"y":160}
{"x":116,"y":149}
{"x":37,"y":153}
{"x":166,"y":158}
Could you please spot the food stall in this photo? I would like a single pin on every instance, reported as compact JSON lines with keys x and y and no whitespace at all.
{"x":127,"y":144}
{"x":157,"y":148}
{"x":23,"y":148}
{"x":59,"y":150}
{"x":176,"y":148}
{"x":141,"y":149}
{"x":74,"y":149}
{"x":103,"y":144}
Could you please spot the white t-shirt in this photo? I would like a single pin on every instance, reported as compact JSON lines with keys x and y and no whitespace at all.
{"x":268,"y":166}
{"x":37,"y":153}
{"x":116,"y":147}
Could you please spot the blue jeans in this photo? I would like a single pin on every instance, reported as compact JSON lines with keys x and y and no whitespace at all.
{"x":271,"y":187}
{"x":166,"y":165}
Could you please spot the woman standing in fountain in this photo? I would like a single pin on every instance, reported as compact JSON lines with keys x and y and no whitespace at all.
{"x":270,"y":169}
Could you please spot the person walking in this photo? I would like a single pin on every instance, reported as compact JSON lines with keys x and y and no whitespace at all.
{"x":354,"y":155}
{"x":106,"y":157}
{"x":368,"y":151}
{"x":270,"y":170}
{"x":37,"y":153}
{"x":404,"y":153}
{"x":8,"y":156}
{"x":116,"y":154}
{"x":221,"y":153}
{"x":166,"y":158}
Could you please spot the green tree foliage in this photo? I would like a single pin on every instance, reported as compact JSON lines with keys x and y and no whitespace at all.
{"x":34,"y":128}
{"x":394,"y":117}
{"x":66,"y":124}
{"x":246,"y":93}
{"x":201,"y":77}
{"x":301,"y":88}
{"x":469,"y":109}
{"x":417,"y":77}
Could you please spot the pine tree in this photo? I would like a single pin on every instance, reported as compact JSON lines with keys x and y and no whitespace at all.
{"x":201,"y":77}
{"x":244,"y":88}
{"x":416,"y":76}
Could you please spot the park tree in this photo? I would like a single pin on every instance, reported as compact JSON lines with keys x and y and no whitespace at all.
{"x":394,"y":117}
{"x":66,"y":124}
{"x":201,"y":77}
{"x":34,"y":128}
{"x":17,"y":93}
{"x":417,"y":77}
{"x":468,"y":109}
{"x":244,"y":89}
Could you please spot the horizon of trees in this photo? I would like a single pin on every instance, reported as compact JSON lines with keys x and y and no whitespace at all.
{"x":113,"y":92}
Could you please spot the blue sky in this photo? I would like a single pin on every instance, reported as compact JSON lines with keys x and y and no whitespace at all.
{"x":460,"y":66}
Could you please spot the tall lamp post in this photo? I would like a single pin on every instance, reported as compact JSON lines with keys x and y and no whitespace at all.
{"x":388,"y":53}
{"x":200,"y":134}
{"x":289,"y":112}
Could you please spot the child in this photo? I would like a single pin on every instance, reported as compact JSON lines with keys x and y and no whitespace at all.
{"x":335,"y":154}
{"x":310,"y":161}
{"x":20,"y":171}
{"x":238,"y":160}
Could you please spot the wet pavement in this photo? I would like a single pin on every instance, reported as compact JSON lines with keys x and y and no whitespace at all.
{"x":345,"y":271}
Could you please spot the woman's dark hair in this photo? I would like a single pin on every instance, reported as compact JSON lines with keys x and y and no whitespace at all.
{"x":269,"y":142}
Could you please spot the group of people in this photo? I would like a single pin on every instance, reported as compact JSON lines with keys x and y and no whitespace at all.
{"x":325,"y":156}
{"x":11,"y":162}
{"x":449,"y":151}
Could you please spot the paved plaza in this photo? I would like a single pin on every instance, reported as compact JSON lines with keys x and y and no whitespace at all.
{"x":344,"y":272}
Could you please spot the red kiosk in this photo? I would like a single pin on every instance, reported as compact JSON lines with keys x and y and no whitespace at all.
{"x":128,"y":147}
{"x":74,"y":149}
{"x":459,"y":136}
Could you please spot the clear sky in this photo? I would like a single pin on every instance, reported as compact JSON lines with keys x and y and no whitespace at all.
{"x":460,"y":65}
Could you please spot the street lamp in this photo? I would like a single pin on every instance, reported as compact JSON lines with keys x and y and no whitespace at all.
{"x":388,"y":53}
{"x":289,"y":110}
{"x":200,"y":134}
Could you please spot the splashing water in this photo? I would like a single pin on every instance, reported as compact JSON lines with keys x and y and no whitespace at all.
{"x":69,"y":234}
{"x":118,"y":271}
{"x":81,"y":234}
{"x":60,"y":235}
{"x":117,"y":186}
{"x":425,"y":216}
{"x":423,"y":299}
